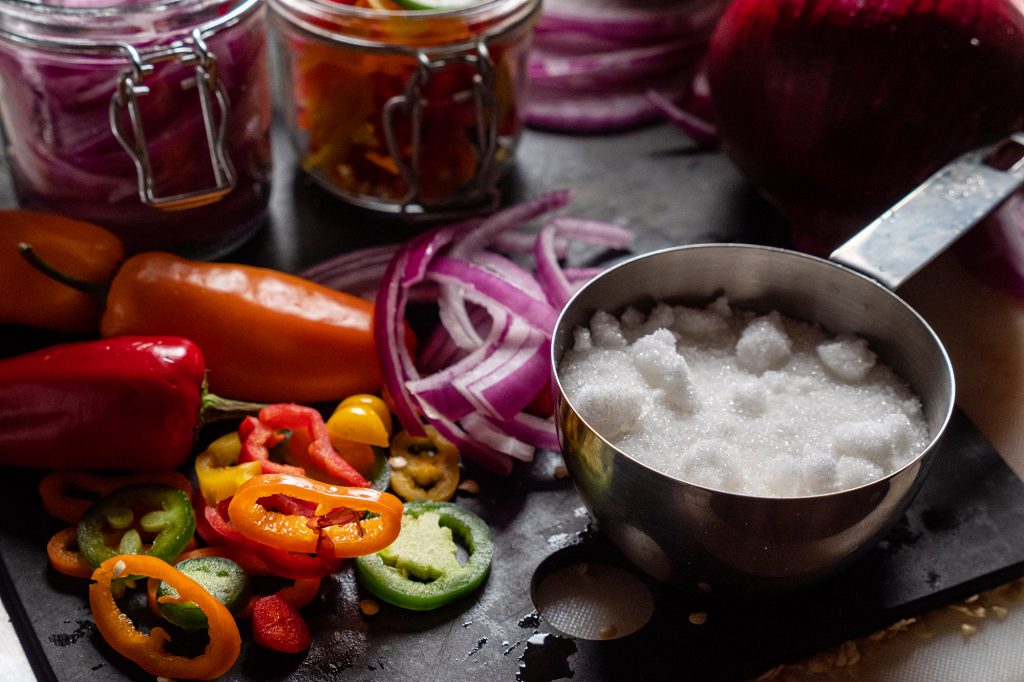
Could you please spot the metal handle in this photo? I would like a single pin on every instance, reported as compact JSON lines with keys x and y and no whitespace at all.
{"x":211,"y":94}
{"x":411,"y":103}
{"x":927,"y":221}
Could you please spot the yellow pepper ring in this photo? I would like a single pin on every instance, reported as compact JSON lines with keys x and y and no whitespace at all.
{"x":424,"y":468}
{"x":218,"y":471}
{"x":148,"y":650}
{"x":296,"y":533}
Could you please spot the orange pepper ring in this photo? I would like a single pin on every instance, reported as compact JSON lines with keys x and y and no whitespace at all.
{"x":148,"y":650}
{"x":63,"y":558}
{"x":293,"y":533}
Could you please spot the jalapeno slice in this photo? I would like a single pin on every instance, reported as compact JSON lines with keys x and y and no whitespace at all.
{"x":146,"y":518}
{"x":221,"y":577}
{"x":419,"y":571}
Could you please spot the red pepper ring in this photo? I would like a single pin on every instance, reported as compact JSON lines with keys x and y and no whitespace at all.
{"x":309,"y":446}
{"x":344,"y":534}
{"x":147,"y":650}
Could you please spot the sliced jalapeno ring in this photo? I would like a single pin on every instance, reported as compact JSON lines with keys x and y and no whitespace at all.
{"x":156,"y":519}
{"x":419,"y":571}
{"x":220,"y":576}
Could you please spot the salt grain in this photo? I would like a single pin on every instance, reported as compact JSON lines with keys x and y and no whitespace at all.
{"x":731,"y":400}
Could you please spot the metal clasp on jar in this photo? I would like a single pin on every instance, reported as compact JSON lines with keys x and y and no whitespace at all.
{"x":411,"y":104}
{"x":213,"y":101}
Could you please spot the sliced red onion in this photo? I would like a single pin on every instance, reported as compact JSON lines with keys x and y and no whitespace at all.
{"x":549,"y":272}
{"x":528,"y":428}
{"x":559,"y":110}
{"x":700,"y":131}
{"x":389,"y":338}
{"x":591,"y":65}
{"x":519,"y":243}
{"x":480,"y":285}
{"x":485,"y":455}
{"x":505,"y":220}
{"x":599,"y":232}
{"x":511,"y":271}
{"x":607,"y":69}
{"x":632,"y":25}
{"x":476,"y":395}
{"x":484,"y":430}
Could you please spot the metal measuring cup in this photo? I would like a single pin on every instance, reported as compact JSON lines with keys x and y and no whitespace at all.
{"x":687,"y":534}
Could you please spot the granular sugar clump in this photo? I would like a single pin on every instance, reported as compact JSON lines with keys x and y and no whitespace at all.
{"x":731,"y":400}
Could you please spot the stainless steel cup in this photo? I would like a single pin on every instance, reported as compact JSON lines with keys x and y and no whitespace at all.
{"x":687,"y":534}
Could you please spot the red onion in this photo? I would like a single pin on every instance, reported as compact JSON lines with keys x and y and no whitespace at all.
{"x":835,"y":109}
{"x":487,"y":361}
{"x":593,"y":62}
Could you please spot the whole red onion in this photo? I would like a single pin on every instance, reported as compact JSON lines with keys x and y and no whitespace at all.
{"x":837,"y":108}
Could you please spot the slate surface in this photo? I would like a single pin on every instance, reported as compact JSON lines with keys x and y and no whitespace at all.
{"x":963,"y":533}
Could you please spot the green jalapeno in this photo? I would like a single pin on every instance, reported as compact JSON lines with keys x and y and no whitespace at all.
{"x":147,"y":518}
{"x":420,"y":571}
{"x":220,"y":576}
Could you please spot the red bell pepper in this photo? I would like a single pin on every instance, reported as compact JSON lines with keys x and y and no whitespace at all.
{"x":309,"y":446}
{"x":124,"y":403}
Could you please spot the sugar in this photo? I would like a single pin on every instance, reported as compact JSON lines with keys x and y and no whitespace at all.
{"x":606,"y":332}
{"x":763,"y":345}
{"x":848,"y":358}
{"x":662,"y":368}
{"x":854,"y":472}
{"x":734,"y":401}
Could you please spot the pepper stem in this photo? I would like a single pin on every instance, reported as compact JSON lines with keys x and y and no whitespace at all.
{"x":97,"y":289}
{"x":214,"y":408}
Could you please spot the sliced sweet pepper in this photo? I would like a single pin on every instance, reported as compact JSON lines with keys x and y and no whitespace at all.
{"x":147,"y":650}
{"x":309,"y":445}
{"x":62,"y":550}
{"x":363,"y":418}
{"x":214,"y":526}
{"x":278,"y":626}
{"x":217,"y":469}
{"x":424,"y":468}
{"x":67,"y":495}
{"x":148,"y":518}
{"x":336,"y":529}
{"x":420,"y":571}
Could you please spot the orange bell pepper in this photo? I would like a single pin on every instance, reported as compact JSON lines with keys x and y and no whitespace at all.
{"x":266,"y":335}
{"x":80,"y":250}
{"x":335,"y":528}
{"x":147,"y":650}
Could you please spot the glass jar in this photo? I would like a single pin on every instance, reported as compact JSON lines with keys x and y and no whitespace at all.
{"x":414,"y":112}
{"x":151,"y":119}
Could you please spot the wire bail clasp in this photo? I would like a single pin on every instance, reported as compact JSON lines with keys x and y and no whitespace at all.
{"x":213,"y":101}
{"x":411,"y":104}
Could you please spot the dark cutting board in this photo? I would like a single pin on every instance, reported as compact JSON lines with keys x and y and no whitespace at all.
{"x":963,"y":533}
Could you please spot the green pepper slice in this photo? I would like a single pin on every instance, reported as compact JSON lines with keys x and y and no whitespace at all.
{"x":220,"y":576}
{"x":146,"y":518}
{"x":419,"y":571}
